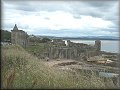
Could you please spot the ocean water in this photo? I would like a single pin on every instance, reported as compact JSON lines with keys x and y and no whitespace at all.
{"x":106,"y":45}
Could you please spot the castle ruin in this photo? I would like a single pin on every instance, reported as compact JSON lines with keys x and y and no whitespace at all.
{"x":72,"y":50}
{"x":57,"y":49}
{"x":19,"y":37}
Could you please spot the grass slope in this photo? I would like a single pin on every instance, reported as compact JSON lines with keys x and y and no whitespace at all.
{"x":23,"y":70}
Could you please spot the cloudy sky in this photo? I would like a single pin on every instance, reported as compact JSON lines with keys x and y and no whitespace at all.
{"x":62,"y":18}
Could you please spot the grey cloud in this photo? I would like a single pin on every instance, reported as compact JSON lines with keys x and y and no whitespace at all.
{"x":110,"y":30}
{"x":101,"y":4}
{"x":34,"y":6}
{"x":95,"y":8}
{"x":106,"y":10}
{"x":92,"y":8}
{"x":77,"y":33}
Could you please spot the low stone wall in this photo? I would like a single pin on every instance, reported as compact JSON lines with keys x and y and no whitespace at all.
{"x":69,"y":53}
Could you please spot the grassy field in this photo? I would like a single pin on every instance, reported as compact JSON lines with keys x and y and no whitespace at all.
{"x":21,"y":70}
{"x":37,"y":50}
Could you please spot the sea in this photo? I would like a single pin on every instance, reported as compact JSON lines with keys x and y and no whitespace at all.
{"x":106,"y":45}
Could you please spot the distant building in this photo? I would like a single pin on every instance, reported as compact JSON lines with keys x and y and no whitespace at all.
{"x":19,"y":37}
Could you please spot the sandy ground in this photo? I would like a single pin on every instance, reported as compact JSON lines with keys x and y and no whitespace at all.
{"x":52,"y":62}
{"x":63,"y":64}
{"x":77,"y":65}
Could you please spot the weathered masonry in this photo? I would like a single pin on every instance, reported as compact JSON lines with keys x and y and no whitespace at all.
{"x":73,"y":50}
{"x":19,"y":37}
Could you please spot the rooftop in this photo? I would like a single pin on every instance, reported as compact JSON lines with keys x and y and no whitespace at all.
{"x":15,"y":27}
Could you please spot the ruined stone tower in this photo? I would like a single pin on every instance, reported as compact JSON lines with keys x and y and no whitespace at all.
{"x":98,"y":45}
{"x":19,"y":37}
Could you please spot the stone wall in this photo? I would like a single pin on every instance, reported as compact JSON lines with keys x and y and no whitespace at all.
{"x":98,"y":45}
{"x":62,"y":52}
{"x":58,"y":42}
{"x":73,"y":51}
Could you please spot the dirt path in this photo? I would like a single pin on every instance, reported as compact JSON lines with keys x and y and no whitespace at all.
{"x":73,"y":64}
{"x":52,"y":63}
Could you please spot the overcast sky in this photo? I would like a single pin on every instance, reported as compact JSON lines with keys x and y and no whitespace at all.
{"x":62,"y":18}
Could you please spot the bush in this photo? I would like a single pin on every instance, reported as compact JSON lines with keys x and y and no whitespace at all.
{"x":44,"y":40}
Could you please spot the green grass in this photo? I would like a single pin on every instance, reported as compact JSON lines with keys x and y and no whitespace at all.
{"x":23,"y":70}
{"x":37,"y":50}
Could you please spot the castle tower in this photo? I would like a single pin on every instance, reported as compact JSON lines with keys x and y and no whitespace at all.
{"x":15,"y":27}
{"x":19,"y":37}
{"x":68,"y":42}
{"x":98,"y":45}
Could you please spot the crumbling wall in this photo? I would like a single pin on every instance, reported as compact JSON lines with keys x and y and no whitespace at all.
{"x":58,"y":42}
{"x":97,"y":45}
{"x":62,"y":52}
{"x":79,"y":51}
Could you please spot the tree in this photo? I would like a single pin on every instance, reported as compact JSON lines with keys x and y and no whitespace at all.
{"x":33,"y":38}
{"x":44,"y":40}
{"x":5,"y":35}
